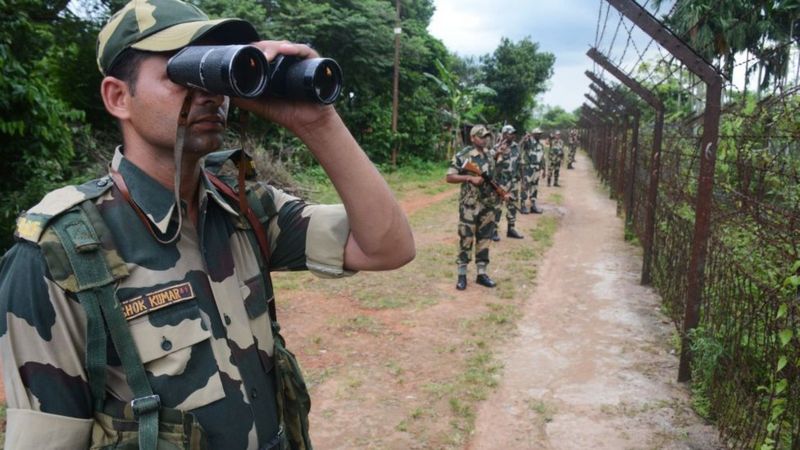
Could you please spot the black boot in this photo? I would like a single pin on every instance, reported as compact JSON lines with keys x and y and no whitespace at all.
{"x":548,"y":181}
{"x":535,"y":209}
{"x":556,"y":183}
{"x":461,"y":284}
{"x":524,"y":210}
{"x":495,"y":236}
{"x":484,"y":280}
{"x":513,"y":233}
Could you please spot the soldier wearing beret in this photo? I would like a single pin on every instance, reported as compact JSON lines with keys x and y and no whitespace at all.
{"x":508,"y":169}
{"x":476,"y":205}
{"x":573,"y":148}
{"x":137,"y":308}
{"x":555,"y":156}
{"x":532,"y":166}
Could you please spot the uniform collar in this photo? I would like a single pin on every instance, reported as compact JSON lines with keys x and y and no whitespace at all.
{"x":156,"y":201}
{"x":476,"y":152}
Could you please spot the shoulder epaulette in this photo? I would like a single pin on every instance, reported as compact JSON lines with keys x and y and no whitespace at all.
{"x":214,"y":162}
{"x":32,"y":223}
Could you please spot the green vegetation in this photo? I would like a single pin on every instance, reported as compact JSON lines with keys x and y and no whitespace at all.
{"x":55,"y":130}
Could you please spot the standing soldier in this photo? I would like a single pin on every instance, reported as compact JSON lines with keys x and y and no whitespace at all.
{"x":573,"y":147}
{"x":554,"y":158}
{"x":532,"y":162}
{"x":475,"y":205}
{"x":138,"y":309}
{"x":507,"y":172}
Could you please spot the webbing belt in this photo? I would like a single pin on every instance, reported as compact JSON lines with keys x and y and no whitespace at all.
{"x":96,"y":293}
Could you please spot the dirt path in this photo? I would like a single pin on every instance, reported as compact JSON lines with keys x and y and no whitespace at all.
{"x":591,"y":366}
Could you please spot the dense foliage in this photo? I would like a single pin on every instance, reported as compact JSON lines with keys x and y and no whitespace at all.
{"x":517,"y":72}
{"x":724,"y":29}
{"x":37,"y":124}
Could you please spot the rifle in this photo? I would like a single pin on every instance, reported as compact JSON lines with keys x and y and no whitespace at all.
{"x":473,"y":168}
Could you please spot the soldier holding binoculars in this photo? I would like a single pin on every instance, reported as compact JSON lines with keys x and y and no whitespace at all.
{"x":139,"y":310}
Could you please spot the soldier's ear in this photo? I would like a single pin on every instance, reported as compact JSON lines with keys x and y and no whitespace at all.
{"x":116,"y":97}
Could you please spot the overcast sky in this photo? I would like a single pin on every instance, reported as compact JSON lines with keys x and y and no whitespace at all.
{"x":565,"y":28}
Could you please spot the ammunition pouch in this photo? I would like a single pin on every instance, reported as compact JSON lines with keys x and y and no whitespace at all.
{"x":294,"y":403}
{"x":177,"y":430}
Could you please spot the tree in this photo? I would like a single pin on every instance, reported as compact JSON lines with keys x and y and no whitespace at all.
{"x":722,"y":29}
{"x":556,"y":118}
{"x":359,"y":35}
{"x":36,"y":126}
{"x":461,"y":103}
{"x":517,"y":72}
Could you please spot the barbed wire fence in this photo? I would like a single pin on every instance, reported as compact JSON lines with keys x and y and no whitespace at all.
{"x":709,"y":178}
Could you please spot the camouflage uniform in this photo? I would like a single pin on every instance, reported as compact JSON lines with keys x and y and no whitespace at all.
{"x":532,"y":162}
{"x":573,"y":148}
{"x":196,"y":309}
{"x":475,"y":208}
{"x":554,"y":158}
{"x":507,"y":174}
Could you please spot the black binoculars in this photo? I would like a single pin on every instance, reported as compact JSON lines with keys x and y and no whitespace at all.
{"x":243,"y":71}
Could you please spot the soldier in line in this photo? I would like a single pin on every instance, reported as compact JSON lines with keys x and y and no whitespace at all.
{"x":554,"y":158}
{"x":507,"y":170}
{"x":476,"y":204}
{"x":532,"y":164}
{"x":137,"y":308}
{"x":573,"y":148}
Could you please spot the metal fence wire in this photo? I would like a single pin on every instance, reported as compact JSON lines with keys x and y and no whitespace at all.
{"x":744,"y":348}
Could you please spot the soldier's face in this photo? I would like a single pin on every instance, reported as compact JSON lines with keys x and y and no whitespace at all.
{"x":481,"y":141}
{"x":154,"y":110}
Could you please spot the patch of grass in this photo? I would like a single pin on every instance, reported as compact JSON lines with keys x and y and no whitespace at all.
{"x":316,"y":377}
{"x":394,"y":368}
{"x":501,"y":315}
{"x":557,"y":198}
{"x":402,"y":426}
{"x":630,"y":235}
{"x":432,"y":216}
{"x":409,"y":177}
{"x":461,"y":409}
{"x":359,"y":324}
{"x":290,"y":281}
{"x":545,"y":411}
{"x":544,"y":230}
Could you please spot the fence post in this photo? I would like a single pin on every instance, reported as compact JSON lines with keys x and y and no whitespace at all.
{"x":708,"y":149}
{"x":655,"y":156}
{"x":620,"y":109}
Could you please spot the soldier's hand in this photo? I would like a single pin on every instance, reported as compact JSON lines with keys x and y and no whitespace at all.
{"x":296,"y":116}
{"x":476,"y":181}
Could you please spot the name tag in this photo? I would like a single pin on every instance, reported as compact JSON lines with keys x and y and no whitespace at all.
{"x":153,"y":301}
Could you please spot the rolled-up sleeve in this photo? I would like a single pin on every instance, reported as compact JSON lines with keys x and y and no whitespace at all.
{"x":34,"y":430}
{"x":304,"y":236}
{"x":328,"y":230}
{"x":42,"y":346}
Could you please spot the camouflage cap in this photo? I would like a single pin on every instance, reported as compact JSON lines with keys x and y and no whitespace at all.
{"x":479,"y":130}
{"x":537,"y":130}
{"x":508,"y":129}
{"x":164,"y":25}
